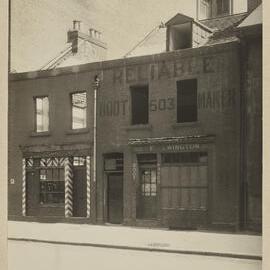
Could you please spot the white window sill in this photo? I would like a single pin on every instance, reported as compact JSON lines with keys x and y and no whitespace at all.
{"x":139,"y":127}
{"x":77,"y":131}
{"x":186,"y":124}
{"x":40,"y":134}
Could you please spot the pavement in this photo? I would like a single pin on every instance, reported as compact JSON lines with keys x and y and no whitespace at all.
{"x":239,"y":246}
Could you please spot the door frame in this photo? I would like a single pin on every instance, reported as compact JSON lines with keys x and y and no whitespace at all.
{"x":106,"y":196}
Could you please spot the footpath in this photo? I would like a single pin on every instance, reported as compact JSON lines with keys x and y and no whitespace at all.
{"x":239,"y":246}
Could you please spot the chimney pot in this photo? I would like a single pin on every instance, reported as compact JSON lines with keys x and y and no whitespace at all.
{"x":76,"y":25}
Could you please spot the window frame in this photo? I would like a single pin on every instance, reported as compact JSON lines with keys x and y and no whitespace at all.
{"x":71,"y":110}
{"x":45,"y":192}
{"x":35,"y":114}
{"x":220,"y":7}
{"x":137,"y":88}
{"x":178,"y":89}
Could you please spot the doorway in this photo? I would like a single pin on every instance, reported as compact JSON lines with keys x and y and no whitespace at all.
{"x":115,"y":198}
{"x":79,"y":191}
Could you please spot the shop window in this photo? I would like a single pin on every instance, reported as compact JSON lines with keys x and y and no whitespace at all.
{"x":79,"y":108}
{"x":52,"y":186}
{"x":223,"y":7}
{"x":42,"y":114}
{"x":184,"y":179}
{"x":139,"y":105}
{"x":187,"y":101}
{"x":184,"y":157}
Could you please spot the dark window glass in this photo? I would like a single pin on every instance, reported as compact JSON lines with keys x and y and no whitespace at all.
{"x":223,"y":7}
{"x":139,"y":105}
{"x":187,"y":101}
{"x":52,"y":186}
{"x":185,"y":157}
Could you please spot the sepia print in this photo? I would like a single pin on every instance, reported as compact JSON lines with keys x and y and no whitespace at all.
{"x":135,"y":134}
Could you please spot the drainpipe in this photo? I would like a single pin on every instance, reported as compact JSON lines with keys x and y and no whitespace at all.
{"x":96,"y":86}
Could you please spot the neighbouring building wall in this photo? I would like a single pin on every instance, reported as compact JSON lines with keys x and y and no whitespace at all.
{"x":254,"y":133}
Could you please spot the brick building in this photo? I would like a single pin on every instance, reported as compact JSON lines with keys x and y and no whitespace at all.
{"x":177,"y":131}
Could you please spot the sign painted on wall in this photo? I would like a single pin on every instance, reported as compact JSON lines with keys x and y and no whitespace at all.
{"x":167,"y":69}
{"x":217,"y":101}
{"x":176,"y":147}
{"x":180,"y":147}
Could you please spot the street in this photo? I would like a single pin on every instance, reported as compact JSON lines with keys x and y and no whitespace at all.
{"x":28,"y":255}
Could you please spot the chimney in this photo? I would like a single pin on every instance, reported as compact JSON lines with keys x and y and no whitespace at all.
{"x":92,"y":36}
{"x":252,"y":4}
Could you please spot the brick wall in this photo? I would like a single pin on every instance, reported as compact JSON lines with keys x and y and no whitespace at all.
{"x":217,"y":72}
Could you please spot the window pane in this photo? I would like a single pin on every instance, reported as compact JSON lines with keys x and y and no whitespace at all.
{"x":187,"y":101}
{"x":52,"y":184}
{"x":42,"y":114}
{"x":139,"y":105}
{"x":79,"y":106}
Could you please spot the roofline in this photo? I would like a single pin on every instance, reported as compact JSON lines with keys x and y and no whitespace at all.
{"x":119,"y":63}
{"x":185,"y":16}
{"x":224,"y":16}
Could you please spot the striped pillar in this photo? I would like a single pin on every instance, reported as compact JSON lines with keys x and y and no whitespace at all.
{"x":68,"y":188}
{"x":88,"y":182}
{"x":23,"y":187}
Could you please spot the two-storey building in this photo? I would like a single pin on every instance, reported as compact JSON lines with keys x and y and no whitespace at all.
{"x":177,"y":132}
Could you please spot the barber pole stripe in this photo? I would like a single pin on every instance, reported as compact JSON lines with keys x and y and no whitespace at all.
{"x":68,"y":188}
{"x":88,"y":189}
{"x":23,"y":187}
{"x":55,"y":162}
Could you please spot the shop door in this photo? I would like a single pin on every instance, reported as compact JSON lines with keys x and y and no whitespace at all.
{"x":79,"y":191}
{"x":115,"y":198}
{"x":147,"y":208}
{"x":32,"y":193}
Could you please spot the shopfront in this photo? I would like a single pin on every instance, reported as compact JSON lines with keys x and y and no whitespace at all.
{"x":174,"y":179}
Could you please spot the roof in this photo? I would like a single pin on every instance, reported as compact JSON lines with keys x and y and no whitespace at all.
{"x":254,"y":18}
{"x":179,"y":18}
{"x":222,"y":23}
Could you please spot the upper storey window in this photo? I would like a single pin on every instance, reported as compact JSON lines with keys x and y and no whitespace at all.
{"x":205,"y":9}
{"x":187,"y":101}
{"x":223,"y":7}
{"x":139,"y":105}
{"x":184,"y":32}
{"x":79,"y":106}
{"x":42,"y":114}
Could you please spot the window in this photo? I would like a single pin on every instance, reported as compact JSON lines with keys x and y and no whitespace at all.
{"x":187,"y":101}
{"x":139,"y":105}
{"x":148,"y":174}
{"x":42,"y":114}
{"x":184,"y":178}
{"x":223,"y":7}
{"x":79,"y":106}
{"x":79,"y":161}
{"x":205,"y":9}
{"x":52,"y":180}
{"x":149,"y":182}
